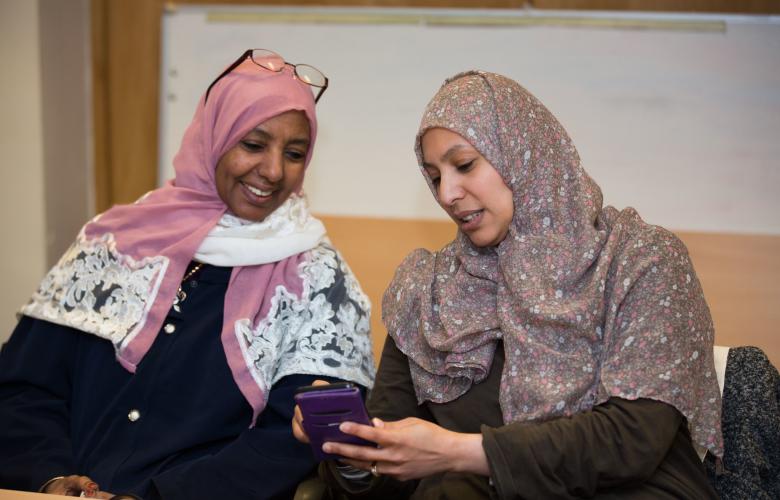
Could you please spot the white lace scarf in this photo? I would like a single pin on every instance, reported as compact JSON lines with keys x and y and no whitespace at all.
{"x":96,"y":289}
{"x":288,"y":230}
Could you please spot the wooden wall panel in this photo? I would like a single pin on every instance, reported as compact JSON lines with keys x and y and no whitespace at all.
{"x":450,"y":4}
{"x":731,"y":6}
{"x":740,"y":274}
{"x":126,"y":54}
{"x":101,"y":156}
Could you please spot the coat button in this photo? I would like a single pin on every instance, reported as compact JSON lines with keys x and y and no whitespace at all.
{"x":133,"y":415}
{"x":169,"y":328}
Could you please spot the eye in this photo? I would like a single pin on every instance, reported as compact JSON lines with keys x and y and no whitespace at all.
{"x":435,"y":180}
{"x":295,"y":155}
{"x":252,"y":146}
{"x":465,"y":167}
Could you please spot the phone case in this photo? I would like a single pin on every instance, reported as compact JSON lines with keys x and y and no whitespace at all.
{"x":324,"y":409}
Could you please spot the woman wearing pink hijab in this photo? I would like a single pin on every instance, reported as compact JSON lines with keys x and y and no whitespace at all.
{"x":555,"y":349}
{"x":159,"y":357}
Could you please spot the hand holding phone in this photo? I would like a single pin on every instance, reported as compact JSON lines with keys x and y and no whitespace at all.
{"x":324,"y":407}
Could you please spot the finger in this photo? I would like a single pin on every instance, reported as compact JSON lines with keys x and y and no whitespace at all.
{"x":374,"y":434}
{"x":89,"y":487}
{"x":297,"y":417}
{"x":320,"y":382}
{"x":378,"y":423}
{"x":354,"y":452}
{"x":67,"y":486}
{"x":299,"y":433}
{"x":297,"y":426}
{"x":104,"y":494}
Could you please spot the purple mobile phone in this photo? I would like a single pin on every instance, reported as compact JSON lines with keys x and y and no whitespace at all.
{"x":324,"y":407}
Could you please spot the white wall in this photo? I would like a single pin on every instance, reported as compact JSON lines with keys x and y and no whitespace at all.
{"x":679,"y":120}
{"x":23,"y":251}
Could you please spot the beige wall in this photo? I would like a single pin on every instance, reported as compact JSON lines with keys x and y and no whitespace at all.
{"x":45,"y":192}
{"x":23,"y":252}
{"x":65,"y":97}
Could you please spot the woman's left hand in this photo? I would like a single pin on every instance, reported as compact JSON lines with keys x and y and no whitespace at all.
{"x":411,"y":448}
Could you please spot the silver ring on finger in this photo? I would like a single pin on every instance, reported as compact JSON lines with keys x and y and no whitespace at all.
{"x":374,"y":472}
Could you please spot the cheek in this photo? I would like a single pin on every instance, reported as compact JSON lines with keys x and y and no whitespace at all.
{"x":509,"y":208}
{"x":220,"y":180}
{"x":294,"y":177}
{"x":225,"y":175}
{"x":505,"y":205}
{"x":434,"y":190}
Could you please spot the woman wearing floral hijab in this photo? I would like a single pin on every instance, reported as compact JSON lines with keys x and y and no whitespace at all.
{"x":555,"y":349}
{"x":160,"y":355}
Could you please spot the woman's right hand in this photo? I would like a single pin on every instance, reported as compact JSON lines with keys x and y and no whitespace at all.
{"x":297,"y":421}
{"x":73,"y":486}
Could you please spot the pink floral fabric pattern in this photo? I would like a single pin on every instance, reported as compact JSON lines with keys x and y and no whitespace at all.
{"x":590,"y":302}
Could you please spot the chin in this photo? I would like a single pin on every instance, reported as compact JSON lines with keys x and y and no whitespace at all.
{"x":482,"y":242}
{"x":485,"y":241}
{"x":250,"y":215}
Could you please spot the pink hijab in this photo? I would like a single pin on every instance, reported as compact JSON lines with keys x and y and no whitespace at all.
{"x":131,"y":259}
{"x":589,"y":302}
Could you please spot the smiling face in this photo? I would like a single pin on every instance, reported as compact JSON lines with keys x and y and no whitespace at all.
{"x":265,"y":167}
{"x":468,"y":187}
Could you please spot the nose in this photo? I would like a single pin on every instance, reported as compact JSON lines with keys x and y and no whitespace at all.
{"x":449,"y":190}
{"x":272,"y":167}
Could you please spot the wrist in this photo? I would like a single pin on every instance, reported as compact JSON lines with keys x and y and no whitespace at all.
{"x":48,"y":483}
{"x":469,"y":455}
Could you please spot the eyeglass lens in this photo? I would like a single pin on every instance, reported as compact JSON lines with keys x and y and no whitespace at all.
{"x":267,"y":59}
{"x":274,"y":62}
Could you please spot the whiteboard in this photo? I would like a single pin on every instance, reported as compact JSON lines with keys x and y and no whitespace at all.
{"x":682,"y":124}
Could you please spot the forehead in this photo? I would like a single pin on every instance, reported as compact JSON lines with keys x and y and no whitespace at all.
{"x":439,"y":140}
{"x":291,"y":122}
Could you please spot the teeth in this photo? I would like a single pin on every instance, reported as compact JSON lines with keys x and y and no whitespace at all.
{"x":258,"y":192}
{"x":469,"y":217}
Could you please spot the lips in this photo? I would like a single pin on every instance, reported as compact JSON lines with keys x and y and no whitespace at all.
{"x":467,"y":215}
{"x":256,"y":191}
{"x":470,"y":216}
{"x":468,"y":220}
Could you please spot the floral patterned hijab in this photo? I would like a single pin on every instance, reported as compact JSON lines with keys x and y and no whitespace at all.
{"x":589,"y":302}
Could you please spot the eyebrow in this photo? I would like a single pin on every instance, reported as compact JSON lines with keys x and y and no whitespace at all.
{"x":301,"y":141}
{"x":446,"y":156}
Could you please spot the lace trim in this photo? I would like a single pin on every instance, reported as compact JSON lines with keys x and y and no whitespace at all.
{"x":326,"y":332}
{"x":96,"y":289}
